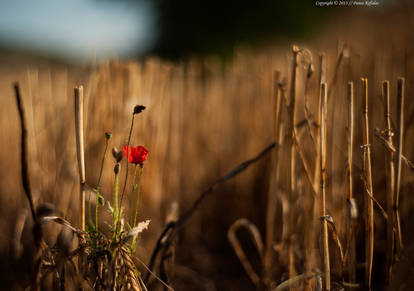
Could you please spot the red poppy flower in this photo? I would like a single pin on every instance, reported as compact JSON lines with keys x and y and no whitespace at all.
{"x":137,"y":155}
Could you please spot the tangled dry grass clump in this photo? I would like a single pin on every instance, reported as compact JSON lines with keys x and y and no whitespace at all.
{"x":102,"y":263}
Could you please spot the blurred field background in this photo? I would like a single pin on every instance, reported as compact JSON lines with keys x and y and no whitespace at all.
{"x":204,"y":116}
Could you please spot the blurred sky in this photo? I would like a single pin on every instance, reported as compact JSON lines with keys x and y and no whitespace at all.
{"x":89,"y":30}
{"x":77,"y":30}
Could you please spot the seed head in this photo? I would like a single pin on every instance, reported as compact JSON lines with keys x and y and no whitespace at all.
{"x":138,"y":109}
{"x":117,"y":168}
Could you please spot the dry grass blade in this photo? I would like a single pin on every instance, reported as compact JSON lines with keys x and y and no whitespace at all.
{"x":62,"y":221}
{"x":305,"y":165}
{"x":325,"y":240}
{"x":380,"y":135}
{"x":400,"y":116}
{"x":292,"y":282}
{"x":371,"y":196}
{"x":369,"y":221}
{"x":335,"y":236}
{"x":153,"y":274}
{"x":235,"y":243}
{"x":80,"y":149}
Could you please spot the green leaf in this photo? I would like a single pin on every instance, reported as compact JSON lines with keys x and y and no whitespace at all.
{"x":90,"y":227}
{"x":101,"y":199}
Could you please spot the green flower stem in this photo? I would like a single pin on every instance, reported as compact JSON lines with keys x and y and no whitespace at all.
{"x":138,"y":188}
{"x":115,"y":200}
{"x":127,"y":158}
{"x":89,"y":208}
{"x":99,"y":180}
{"x":134,"y":187}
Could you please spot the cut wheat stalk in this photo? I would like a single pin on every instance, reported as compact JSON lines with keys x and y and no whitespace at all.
{"x":80,"y":149}
{"x":352,"y":213}
{"x":369,"y":204}
{"x":325,"y":239}
{"x":400,"y":118}
{"x":292,"y":170}
{"x":314,"y":211}
{"x":390,"y":179}
{"x":271,"y":203}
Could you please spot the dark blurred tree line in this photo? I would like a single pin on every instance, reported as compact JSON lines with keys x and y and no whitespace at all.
{"x":200,"y":27}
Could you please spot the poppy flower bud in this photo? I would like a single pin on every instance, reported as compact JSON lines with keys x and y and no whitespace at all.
{"x":108,"y":135}
{"x":117,"y":168}
{"x":139,"y":109}
{"x":117,"y":154}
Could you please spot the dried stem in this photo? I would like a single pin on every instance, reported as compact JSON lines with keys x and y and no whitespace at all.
{"x":292,"y":172}
{"x":369,"y":204}
{"x":80,"y":149}
{"x":37,"y":229}
{"x":390,"y":178}
{"x":400,"y":116}
{"x":325,"y":240}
